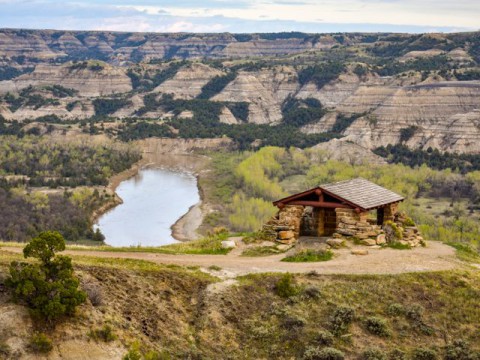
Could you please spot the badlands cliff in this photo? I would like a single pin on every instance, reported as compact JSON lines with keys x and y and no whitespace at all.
{"x":425,"y":92}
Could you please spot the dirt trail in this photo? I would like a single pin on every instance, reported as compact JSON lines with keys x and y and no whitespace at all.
{"x":435,"y":257}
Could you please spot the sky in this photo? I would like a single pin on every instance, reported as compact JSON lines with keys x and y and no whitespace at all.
{"x":243,"y":16}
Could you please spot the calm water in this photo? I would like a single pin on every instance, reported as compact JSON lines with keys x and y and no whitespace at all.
{"x":152,"y":202}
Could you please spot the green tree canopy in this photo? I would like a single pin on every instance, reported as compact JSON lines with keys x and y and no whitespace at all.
{"x":49,"y":288}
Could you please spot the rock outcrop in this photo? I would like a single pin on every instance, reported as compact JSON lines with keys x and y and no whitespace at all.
{"x":188,"y":81}
{"x":265,"y":91}
{"x":106,"y":80}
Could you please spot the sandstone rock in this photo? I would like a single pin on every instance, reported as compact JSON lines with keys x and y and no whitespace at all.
{"x":362,"y":236}
{"x":188,"y":81}
{"x":336,"y":243}
{"x":346,"y":232}
{"x":284,"y":247}
{"x":348,"y":221}
{"x":286,"y":235}
{"x":228,"y":244}
{"x":337,"y":236}
{"x":108,"y":80}
{"x":381,"y":239}
{"x":267,"y":243}
{"x":368,"y":242}
{"x":287,"y":242}
{"x":359,"y":252}
{"x":282,"y":228}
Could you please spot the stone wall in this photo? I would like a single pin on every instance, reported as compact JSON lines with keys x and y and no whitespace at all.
{"x":285,"y":226}
{"x":407,"y":231}
{"x":357,"y":225}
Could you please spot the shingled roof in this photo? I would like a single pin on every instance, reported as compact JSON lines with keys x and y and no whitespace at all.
{"x":356,"y":193}
{"x":362,"y":193}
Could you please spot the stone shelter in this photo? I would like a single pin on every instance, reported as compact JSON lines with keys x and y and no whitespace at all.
{"x":341,"y":209}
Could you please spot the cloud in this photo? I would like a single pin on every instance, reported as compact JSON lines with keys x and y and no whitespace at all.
{"x":242,"y":15}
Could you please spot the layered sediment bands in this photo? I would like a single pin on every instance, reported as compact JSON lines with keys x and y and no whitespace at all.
{"x":445,"y":116}
{"x":334,"y":93}
{"x":343,"y":150}
{"x":116,"y":47}
{"x":265,"y":91}
{"x":87,"y":82}
{"x":188,"y":81}
{"x":227,"y":117}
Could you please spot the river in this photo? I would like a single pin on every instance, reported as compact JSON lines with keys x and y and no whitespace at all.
{"x":153,"y":201}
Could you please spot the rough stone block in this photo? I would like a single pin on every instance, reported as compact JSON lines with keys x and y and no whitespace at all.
{"x":286,"y":235}
{"x":381,"y":239}
{"x":228,"y":244}
{"x":346,"y":232}
{"x":362,"y":236}
{"x":369,"y":242}
{"x":359,"y":252}
{"x":336,"y":243}
{"x":349,"y":221}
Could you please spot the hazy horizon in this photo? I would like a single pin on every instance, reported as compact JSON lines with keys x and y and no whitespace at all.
{"x":243,"y":16}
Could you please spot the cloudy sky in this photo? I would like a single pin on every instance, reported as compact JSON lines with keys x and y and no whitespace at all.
{"x":243,"y":15}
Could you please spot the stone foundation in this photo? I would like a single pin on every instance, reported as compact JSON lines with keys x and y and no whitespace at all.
{"x":342,"y":223}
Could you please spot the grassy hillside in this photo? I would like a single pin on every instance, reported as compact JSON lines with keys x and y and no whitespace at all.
{"x":182,"y":313}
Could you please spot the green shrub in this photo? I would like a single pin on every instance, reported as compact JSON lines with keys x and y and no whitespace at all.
{"x":377,"y":326}
{"x":397,"y":354}
{"x":392,"y":232}
{"x":311,"y":292}
{"x":286,"y":287}
{"x":373,"y":354}
{"x":309,"y":256}
{"x":293,"y":322}
{"x":325,"y":338}
{"x":4,"y":350}
{"x":414,"y":312}
{"x":40,"y":343}
{"x":105,"y":334}
{"x":395,"y":309}
{"x":134,"y":352}
{"x":49,"y":288}
{"x":460,"y":350}
{"x":341,"y":319}
{"x":424,"y":354}
{"x":398,"y":246}
{"x":315,"y":353}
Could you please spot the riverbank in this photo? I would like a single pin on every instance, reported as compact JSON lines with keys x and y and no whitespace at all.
{"x":176,"y":155}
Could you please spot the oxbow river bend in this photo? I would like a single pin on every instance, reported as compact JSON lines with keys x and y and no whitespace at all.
{"x":153,"y":201}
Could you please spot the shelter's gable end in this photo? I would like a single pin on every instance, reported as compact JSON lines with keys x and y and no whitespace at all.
{"x":300,"y":196}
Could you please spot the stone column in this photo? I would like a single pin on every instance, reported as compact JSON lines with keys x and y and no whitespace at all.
{"x":291,"y":215}
{"x":389,"y":212}
{"x":320,"y":216}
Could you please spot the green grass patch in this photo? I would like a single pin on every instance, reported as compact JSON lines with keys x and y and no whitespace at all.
{"x":309,"y":256}
{"x":398,"y":246}
{"x":210,"y":245}
{"x":465,"y":252}
{"x":262,"y":251}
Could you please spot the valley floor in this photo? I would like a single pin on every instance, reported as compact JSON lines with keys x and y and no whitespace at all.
{"x":435,"y":257}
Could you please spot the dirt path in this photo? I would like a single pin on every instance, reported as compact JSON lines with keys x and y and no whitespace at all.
{"x":435,"y":257}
